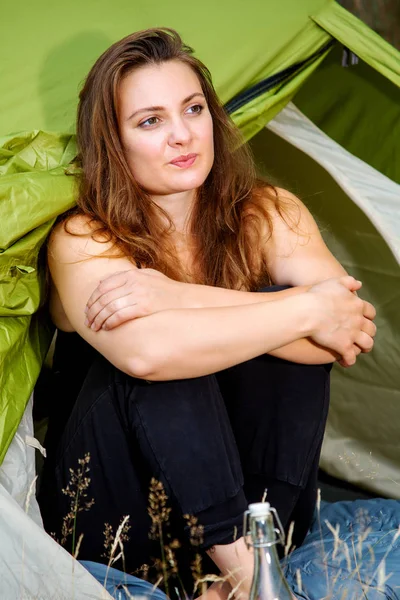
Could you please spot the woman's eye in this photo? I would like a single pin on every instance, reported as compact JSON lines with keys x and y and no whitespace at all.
{"x":197,"y":108}
{"x":148,"y":122}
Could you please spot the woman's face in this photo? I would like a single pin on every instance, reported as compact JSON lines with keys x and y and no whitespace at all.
{"x":166,"y":128}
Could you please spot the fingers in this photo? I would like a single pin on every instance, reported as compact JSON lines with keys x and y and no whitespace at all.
{"x":364,"y":341}
{"x":349,"y":358}
{"x":101,"y":311}
{"x":108,"y":301}
{"x":114,"y":281}
{"x":356,"y":350}
{"x":369,"y":311}
{"x":121,"y":316}
{"x":369,"y":328}
{"x":351,"y":283}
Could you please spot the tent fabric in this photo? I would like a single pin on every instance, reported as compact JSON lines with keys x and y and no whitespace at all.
{"x":240,"y":46}
{"x":362,"y":114}
{"x":256,"y":113}
{"x":34,"y":189}
{"x":32,"y":564}
{"x":359,"y":38}
{"x":18,"y":473}
{"x":364,"y":412}
{"x":376,"y":195}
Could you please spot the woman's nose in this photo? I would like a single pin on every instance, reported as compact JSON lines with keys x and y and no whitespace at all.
{"x":180,"y":132}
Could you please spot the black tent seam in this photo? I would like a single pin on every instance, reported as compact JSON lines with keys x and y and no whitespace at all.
{"x":270,"y":82}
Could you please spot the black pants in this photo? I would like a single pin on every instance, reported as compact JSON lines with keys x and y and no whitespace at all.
{"x":215,"y":442}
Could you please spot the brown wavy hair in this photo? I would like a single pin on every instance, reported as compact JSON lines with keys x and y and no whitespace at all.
{"x":229,"y":213}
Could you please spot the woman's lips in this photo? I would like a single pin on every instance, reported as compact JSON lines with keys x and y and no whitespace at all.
{"x":185,"y":162}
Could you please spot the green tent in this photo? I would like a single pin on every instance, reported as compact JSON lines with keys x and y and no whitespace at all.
{"x":317,"y":94}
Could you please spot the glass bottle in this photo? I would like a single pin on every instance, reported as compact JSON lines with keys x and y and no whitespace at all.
{"x":269,"y":582}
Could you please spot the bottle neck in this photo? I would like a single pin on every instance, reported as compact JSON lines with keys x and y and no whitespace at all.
{"x":264,"y":541}
{"x":262,"y":531}
{"x":269,"y":582}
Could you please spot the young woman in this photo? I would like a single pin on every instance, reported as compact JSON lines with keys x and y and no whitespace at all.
{"x":163,"y":270}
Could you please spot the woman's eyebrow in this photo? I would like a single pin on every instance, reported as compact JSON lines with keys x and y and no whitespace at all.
{"x":156,"y":108}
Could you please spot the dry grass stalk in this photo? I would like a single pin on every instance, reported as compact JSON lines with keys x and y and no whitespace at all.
{"x":78,"y":546}
{"x":143,"y":572}
{"x":361,"y":539}
{"x":358,"y":551}
{"x":77,"y":491}
{"x":382,"y":577}
{"x":111,"y":541}
{"x":347,"y":556}
{"x":318,"y":507}
{"x":299,"y":581}
{"x":357,"y":571}
{"x":395,"y":537}
{"x":336,"y":539}
{"x":196,"y":531}
{"x":158,"y":510}
{"x":234,"y":590}
{"x":159,"y":514}
{"x":289,"y":537}
{"x":214,"y":579}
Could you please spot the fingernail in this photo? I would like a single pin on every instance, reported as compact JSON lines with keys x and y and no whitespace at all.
{"x":87,"y":322}
{"x":86,"y":309}
{"x":93,"y":326}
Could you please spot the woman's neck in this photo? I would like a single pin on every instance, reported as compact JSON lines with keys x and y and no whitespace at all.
{"x":179,"y":209}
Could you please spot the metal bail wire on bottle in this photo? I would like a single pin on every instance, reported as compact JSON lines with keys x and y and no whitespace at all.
{"x":260,"y":510}
{"x":269,"y":582}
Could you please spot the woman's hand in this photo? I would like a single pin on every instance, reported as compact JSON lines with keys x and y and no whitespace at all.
{"x":130,"y":294}
{"x":344,"y":322}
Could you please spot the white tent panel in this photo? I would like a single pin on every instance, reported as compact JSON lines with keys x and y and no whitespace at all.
{"x":357,"y":209}
{"x":17,"y":473}
{"x":376,"y":195}
{"x":32,"y":565}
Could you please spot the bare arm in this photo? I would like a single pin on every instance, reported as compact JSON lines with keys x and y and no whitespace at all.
{"x":297,"y":256}
{"x":180,"y":343}
{"x":57,"y":311}
{"x":296,"y":251}
{"x":122,"y":297}
{"x":303,"y":351}
{"x":174,"y":343}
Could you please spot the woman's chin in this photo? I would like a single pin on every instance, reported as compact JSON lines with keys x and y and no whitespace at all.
{"x":186,"y":183}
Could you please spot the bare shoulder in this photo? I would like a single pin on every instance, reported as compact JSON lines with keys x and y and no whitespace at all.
{"x":289,"y":222}
{"x":78,"y":261}
{"x":295,"y":250}
{"x":284,"y":208}
{"x":75,"y":239}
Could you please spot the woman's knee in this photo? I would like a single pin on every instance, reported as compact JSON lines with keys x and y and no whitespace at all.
{"x":185,"y":435}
